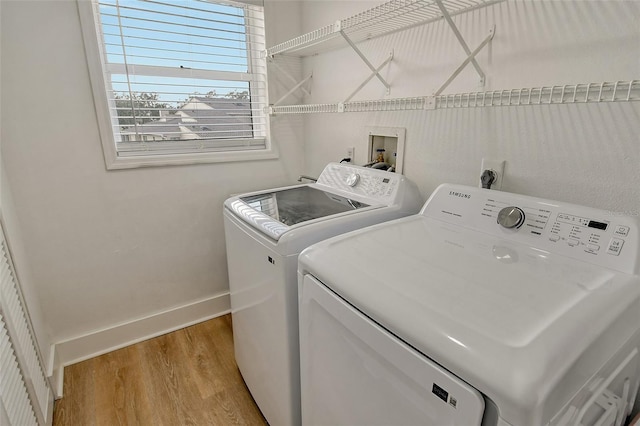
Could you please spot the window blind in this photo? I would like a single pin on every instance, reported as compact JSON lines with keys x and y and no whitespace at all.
{"x":183,"y":76}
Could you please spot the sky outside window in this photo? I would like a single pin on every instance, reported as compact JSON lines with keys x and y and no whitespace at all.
{"x":179,"y":34}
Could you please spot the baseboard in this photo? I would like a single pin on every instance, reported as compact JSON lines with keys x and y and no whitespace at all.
{"x":57,"y":382}
{"x":55,"y":372}
{"x":109,"y":339}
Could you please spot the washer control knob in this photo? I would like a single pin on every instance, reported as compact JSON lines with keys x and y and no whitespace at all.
{"x":353,"y":179}
{"x":511,"y":217}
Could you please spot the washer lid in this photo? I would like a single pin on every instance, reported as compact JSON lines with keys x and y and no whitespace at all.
{"x":509,"y":319}
{"x":300,"y":204}
{"x":275,"y":212}
{"x":336,"y":194}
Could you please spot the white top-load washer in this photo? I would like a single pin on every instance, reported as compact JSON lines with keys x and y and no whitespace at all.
{"x":265,"y":232}
{"x":486,"y":308}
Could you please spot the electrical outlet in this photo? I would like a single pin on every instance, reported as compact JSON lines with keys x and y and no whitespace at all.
{"x":498,"y":168}
{"x":351,"y":152}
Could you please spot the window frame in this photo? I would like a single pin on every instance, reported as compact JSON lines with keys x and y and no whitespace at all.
{"x":113,"y":161}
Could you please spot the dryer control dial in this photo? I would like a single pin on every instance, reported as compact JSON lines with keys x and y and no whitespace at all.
{"x":511,"y":217}
{"x":353,"y":179}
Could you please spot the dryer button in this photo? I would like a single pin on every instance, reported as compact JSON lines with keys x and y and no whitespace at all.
{"x":621,"y":231}
{"x":615,"y":246}
{"x":511,"y":217}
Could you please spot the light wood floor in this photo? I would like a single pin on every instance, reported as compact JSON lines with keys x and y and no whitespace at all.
{"x":188,"y":377}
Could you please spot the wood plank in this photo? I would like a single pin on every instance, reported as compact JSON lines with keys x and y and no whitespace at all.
{"x":170,"y":384}
{"x":217,"y":375}
{"x":188,"y":377}
{"x":78,"y":408}
{"x":120,"y":398}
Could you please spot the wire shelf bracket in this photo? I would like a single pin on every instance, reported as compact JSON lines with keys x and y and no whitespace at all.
{"x":293,"y":89}
{"x":470,"y":59}
{"x":461,"y":40}
{"x":376,"y":72}
{"x":298,"y":85}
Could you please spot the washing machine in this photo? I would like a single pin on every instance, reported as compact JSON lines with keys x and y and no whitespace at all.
{"x":486,"y":308}
{"x":265,"y":232}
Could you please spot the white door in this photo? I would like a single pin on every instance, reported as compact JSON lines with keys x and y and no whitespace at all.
{"x":353,"y":372}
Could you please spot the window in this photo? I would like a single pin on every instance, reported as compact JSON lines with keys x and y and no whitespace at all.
{"x":177,"y":81}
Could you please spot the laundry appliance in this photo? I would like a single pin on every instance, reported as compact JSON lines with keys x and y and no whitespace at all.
{"x":265,"y":232}
{"x":486,"y":308}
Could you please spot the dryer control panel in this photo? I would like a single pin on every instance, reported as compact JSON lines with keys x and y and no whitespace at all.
{"x":602,"y":237}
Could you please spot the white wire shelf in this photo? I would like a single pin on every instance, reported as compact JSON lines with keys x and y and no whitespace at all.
{"x":386,"y":18}
{"x":618,"y":91}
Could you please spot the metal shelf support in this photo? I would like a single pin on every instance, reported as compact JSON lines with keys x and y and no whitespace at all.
{"x":470,"y":58}
{"x":463,"y":43}
{"x":376,"y":71}
{"x":297,"y":85}
{"x":293,"y":89}
{"x":373,"y":74}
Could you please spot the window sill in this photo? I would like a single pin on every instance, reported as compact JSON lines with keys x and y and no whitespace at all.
{"x":138,"y":161}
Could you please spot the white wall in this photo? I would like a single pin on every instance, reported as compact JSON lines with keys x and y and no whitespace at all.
{"x":12,"y":229}
{"x":586,"y":154}
{"x":107,"y":248}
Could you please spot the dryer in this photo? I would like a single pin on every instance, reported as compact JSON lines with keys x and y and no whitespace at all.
{"x":265,"y":232}
{"x":486,"y":308}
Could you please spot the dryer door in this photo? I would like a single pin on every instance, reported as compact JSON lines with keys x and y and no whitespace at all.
{"x":355,"y":372}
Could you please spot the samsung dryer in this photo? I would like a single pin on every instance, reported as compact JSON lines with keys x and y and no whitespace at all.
{"x":265,"y":232}
{"x":487,"y":308}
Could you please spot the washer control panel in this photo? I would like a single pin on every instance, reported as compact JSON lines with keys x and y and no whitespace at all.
{"x":371,"y":183}
{"x":592,"y":235}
